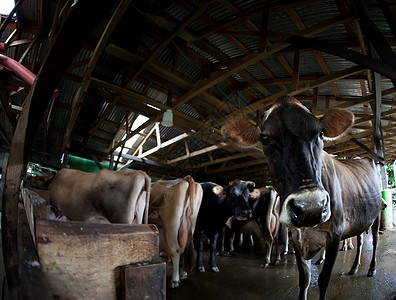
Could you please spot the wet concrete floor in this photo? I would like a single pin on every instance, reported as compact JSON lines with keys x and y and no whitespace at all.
{"x":241,"y":278}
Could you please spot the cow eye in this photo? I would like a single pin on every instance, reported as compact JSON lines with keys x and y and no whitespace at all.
{"x":265,"y":139}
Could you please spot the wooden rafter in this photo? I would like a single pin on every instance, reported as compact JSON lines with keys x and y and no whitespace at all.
{"x":77,"y":101}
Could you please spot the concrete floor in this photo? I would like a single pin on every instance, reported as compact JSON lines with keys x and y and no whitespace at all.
{"x":241,"y":278}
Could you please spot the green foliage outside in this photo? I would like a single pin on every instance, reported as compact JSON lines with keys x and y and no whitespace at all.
{"x":390,"y":170}
{"x":391,"y":175}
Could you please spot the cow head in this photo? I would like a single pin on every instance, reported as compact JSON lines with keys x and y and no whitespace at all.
{"x":39,"y":182}
{"x":292,"y":140}
{"x":236,"y":199}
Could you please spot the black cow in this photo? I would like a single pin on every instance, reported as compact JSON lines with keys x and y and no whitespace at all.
{"x":218,"y":204}
{"x":264,"y":224}
{"x":323,"y":199}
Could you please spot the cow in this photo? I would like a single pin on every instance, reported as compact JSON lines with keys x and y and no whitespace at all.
{"x":264,"y":223}
{"x":105,"y":197}
{"x":174,"y":206}
{"x":234,"y":226}
{"x":323,"y":199}
{"x":266,"y":211}
{"x":218,"y":205}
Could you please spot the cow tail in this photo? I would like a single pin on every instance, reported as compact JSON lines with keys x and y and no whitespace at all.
{"x":281,"y":235}
{"x":189,"y":252}
{"x":189,"y":205}
{"x":148,"y":192}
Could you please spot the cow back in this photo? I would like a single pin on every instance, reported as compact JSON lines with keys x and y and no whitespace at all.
{"x":355,"y":185}
{"x":111,"y":195}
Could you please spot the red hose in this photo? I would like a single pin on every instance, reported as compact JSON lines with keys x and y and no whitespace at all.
{"x":18,"y":69}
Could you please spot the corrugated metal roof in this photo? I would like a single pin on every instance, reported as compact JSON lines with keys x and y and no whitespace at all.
{"x":202,"y":55}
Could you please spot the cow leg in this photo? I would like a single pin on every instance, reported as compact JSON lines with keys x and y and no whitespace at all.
{"x":344,"y":246}
{"x":267,"y":253}
{"x":240,"y":242}
{"x":286,"y":240}
{"x":232,"y":239}
{"x":287,"y":233}
{"x":322,"y":255}
{"x":278,"y":251}
{"x":350,"y":244}
{"x":175,"y":254}
{"x":356,"y":263}
{"x":347,"y":244}
{"x":304,"y":272}
{"x":227,"y":241}
{"x":375,"y":232}
{"x":212,"y":263}
{"x":324,"y":277}
{"x":223,"y":241}
{"x":199,"y":247}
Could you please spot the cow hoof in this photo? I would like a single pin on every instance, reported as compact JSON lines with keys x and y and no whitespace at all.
{"x":214,"y":269}
{"x":319,"y":262}
{"x":353,"y":272}
{"x":183,"y":275}
{"x":264,"y":266}
{"x":351,"y":247}
{"x":275,"y":263}
{"x":174,"y":284}
{"x":344,"y":248}
{"x":201,"y":269}
{"x":371,"y":273}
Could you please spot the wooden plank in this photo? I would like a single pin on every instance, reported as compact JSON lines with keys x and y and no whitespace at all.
{"x":35,"y":208}
{"x":32,"y":279}
{"x":82,"y":260}
{"x":144,"y":281}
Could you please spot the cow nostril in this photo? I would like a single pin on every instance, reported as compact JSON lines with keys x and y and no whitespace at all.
{"x":295,"y":210}
{"x":325,"y":205}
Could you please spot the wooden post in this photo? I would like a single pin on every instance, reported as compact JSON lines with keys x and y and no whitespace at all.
{"x":377,"y":121}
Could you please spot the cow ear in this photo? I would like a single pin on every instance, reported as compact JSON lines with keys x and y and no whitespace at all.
{"x":241,"y":132}
{"x":250,"y":185}
{"x":255,"y":194}
{"x":218,"y":190}
{"x":336,"y":123}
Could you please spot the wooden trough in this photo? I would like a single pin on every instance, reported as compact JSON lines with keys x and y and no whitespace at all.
{"x":95,"y":261}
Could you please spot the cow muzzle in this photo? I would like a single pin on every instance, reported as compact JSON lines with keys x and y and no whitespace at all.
{"x":243,"y":215}
{"x":308,"y":207}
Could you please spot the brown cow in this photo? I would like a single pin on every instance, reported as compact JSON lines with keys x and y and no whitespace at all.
{"x":103,"y":197}
{"x":323,"y":199}
{"x":174,"y":206}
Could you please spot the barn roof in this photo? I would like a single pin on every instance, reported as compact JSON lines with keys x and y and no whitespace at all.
{"x":207,"y":61}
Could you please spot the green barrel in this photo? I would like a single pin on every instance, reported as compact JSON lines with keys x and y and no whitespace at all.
{"x":387,"y":213}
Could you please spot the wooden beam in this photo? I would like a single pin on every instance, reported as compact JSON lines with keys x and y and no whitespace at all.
{"x":353,"y":56}
{"x":165,"y":144}
{"x":195,"y":153}
{"x":224,"y":159}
